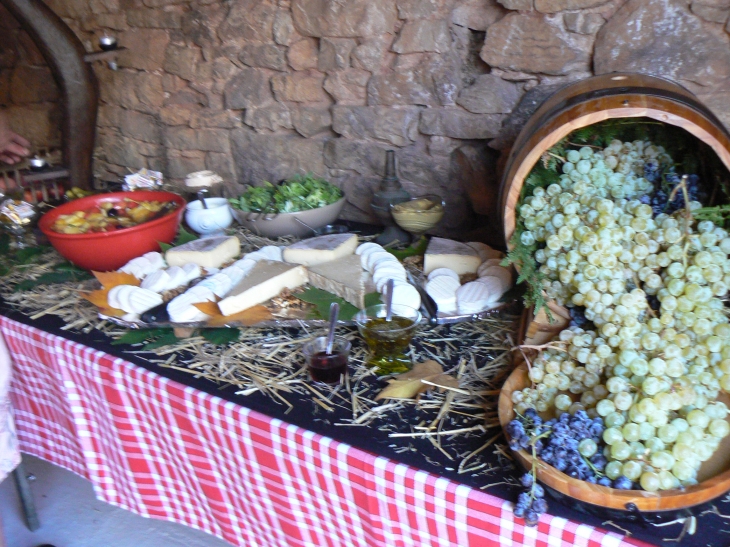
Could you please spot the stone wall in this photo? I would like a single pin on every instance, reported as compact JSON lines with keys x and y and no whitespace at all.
{"x":262,"y":89}
{"x":28,"y":93}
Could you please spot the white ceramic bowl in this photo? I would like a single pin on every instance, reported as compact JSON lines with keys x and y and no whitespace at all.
{"x":216,"y":218}
{"x":283,"y":224}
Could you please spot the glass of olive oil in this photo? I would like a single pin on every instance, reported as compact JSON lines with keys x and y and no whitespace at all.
{"x":388,"y":340}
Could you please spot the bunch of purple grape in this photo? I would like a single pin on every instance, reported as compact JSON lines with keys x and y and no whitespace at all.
{"x":570,"y":444}
{"x":659,"y":201}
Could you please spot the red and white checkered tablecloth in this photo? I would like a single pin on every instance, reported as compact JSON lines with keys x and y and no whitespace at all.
{"x":165,"y":450}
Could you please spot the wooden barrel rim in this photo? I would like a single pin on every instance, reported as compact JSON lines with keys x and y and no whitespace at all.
{"x":604,"y":496}
{"x":565,"y":111}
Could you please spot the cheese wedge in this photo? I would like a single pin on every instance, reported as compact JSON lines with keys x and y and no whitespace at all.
{"x":211,"y":252}
{"x":446,"y":253}
{"x":344,"y":277}
{"x":265,"y":280}
{"x":317,"y":250}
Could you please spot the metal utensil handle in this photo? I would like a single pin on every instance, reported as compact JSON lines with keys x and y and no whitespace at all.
{"x":389,"y":300}
{"x":334,"y":312}
{"x":201,"y":197}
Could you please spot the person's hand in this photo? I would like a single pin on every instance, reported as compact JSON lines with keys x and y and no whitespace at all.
{"x":13,"y":147}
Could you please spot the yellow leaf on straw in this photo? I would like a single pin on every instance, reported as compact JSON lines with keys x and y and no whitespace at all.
{"x":410,"y":384}
{"x":112,"y":279}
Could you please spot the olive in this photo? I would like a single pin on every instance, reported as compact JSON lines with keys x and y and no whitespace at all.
{"x":112,"y":213}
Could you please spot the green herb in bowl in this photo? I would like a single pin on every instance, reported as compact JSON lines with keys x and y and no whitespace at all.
{"x":300,"y":193}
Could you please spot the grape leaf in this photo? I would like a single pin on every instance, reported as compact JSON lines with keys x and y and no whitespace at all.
{"x":136,"y":336}
{"x":183,"y":236}
{"x":47,"y":279}
{"x":4,"y":244}
{"x":322,"y":299}
{"x":166,"y":338}
{"x":29,"y":254}
{"x":371,"y":299}
{"x":221,"y":337}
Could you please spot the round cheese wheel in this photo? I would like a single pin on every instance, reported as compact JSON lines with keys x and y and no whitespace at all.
{"x":113,"y":296}
{"x":140,"y":300}
{"x":363,"y":247}
{"x":497,"y":271}
{"x":494,"y":285}
{"x":448,"y":272}
{"x":442,"y":289}
{"x":156,"y":259}
{"x":271,"y":252}
{"x":472,"y":298}
{"x":137,"y":267}
{"x":405,"y":294}
{"x":200,"y":293}
{"x":178,"y":277}
{"x":381,"y":276}
{"x":245,"y":264}
{"x":181,"y":309}
{"x":156,"y":281}
{"x":378,"y":257}
{"x":192,"y":271}
{"x":234,"y":273}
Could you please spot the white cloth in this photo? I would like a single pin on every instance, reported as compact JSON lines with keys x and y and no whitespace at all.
{"x":9,"y":451}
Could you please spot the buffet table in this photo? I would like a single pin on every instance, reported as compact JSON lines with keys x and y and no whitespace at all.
{"x":162,"y":449}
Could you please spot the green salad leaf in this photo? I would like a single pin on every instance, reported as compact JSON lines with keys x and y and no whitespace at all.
{"x":299,"y":193}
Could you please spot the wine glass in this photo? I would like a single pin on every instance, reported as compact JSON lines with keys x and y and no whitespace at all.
{"x":418,"y":214}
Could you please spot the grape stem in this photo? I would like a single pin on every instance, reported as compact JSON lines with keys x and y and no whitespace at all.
{"x":550,"y":345}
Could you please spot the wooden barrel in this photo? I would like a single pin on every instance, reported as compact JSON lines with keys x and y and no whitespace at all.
{"x":596,"y":99}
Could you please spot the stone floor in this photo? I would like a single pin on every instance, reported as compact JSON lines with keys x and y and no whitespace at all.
{"x":71,"y":516}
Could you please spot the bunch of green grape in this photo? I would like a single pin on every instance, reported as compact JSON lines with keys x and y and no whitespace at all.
{"x":652,"y":372}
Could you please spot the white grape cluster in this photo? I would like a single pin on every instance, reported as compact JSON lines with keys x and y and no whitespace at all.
{"x":654,"y":376}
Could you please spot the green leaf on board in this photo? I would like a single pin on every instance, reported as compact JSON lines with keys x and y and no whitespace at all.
{"x":136,"y":336}
{"x":183,"y":236}
{"x":413,"y":250}
{"x":322,"y":301}
{"x":167,"y":337}
{"x":221,"y":337}
{"x":29,"y":254}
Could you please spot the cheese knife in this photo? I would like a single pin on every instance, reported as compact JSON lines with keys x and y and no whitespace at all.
{"x":427,"y":302}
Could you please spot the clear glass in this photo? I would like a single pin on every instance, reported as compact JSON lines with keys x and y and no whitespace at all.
{"x":388,"y":341}
{"x":325,"y":368}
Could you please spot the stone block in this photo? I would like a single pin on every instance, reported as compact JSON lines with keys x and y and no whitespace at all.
{"x":583,"y":23}
{"x":123,"y":151}
{"x":366,"y":158}
{"x":410,"y":87}
{"x":149,"y":90}
{"x":554,"y":6}
{"x":200,"y":22}
{"x":161,"y":3}
{"x":423,"y":35}
{"x":370,"y":53}
{"x":348,"y":86}
{"x":8,"y":52}
{"x":145,"y":48}
{"x":264,"y":56}
{"x":694,"y":51}
{"x":270,"y":118}
{"x":334,"y":53}
{"x":249,"y":20}
{"x":477,"y":14}
{"x":224,"y":119}
{"x":185,"y":138}
{"x":715,"y":11}
{"x":250,"y":88}
{"x":179,"y":165}
{"x":299,"y":87}
{"x":459,"y":124}
{"x":442,"y":146}
{"x":176,"y":114}
{"x":283,"y":27}
{"x":311,"y":121}
{"x":259,"y":157}
{"x":27,"y":50}
{"x":109,"y":21}
{"x":221,"y":164}
{"x":189,"y":97}
{"x":110,"y":116}
{"x":141,"y":127}
{"x":344,"y":19}
{"x":518,"y":5}
{"x":395,"y":125}
{"x":32,"y":85}
{"x":418,"y":9}
{"x":303,"y":54}
{"x":154,"y":18}
{"x":529,"y":42}
{"x":180,"y":60}
{"x":490,"y":94}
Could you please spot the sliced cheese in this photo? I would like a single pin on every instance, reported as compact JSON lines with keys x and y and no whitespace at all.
{"x":446,"y":253}
{"x":484,"y":251}
{"x":472,"y":297}
{"x":156,"y":281}
{"x":211,"y":252}
{"x":344,"y":277}
{"x":368,"y":245}
{"x":442,"y":289}
{"x":317,"y":250}
{"x":372,"y":260}
{"x":503,"y":274}
{"x":448,"y":272}
{"x":494,"y":285}
{"x":405,"y":294}
{"x":265,"y":280}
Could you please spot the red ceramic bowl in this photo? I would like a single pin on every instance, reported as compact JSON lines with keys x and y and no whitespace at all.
{"x":107,"y":251}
